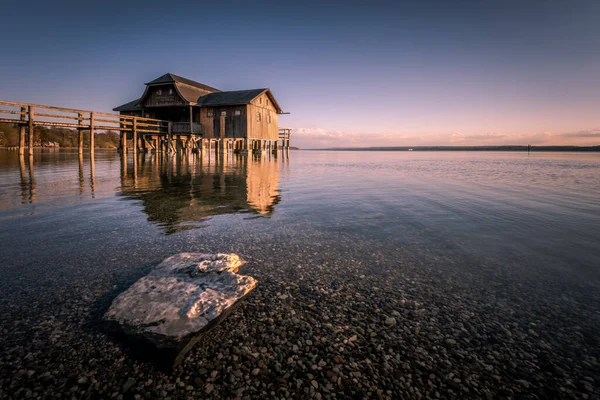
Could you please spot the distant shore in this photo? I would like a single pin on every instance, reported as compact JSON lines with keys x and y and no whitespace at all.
{"x":469,"y":148}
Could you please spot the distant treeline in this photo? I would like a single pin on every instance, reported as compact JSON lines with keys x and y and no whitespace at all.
{"x":472,"y":148}
{"x":9,"y":137}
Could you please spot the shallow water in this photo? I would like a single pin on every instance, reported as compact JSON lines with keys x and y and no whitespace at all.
{"x":510,"y":238}
{"x":539,"y":211}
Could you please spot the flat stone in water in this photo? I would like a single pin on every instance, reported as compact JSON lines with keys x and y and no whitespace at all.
{"x":183,"y":297}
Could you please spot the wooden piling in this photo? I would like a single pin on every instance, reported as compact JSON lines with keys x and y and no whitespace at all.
{"x":169,"y":133}
{"x":22,"y":131}
{"x":80,"y":132}
{"x":135,"y":138}
{"x":124,"y":143}
{"x":92,"y":139}
{"x":30,"y":125}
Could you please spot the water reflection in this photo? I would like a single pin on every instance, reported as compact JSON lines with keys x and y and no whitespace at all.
{"x":177,"y":191}
{"x":27,"y":182}
{"x":180,"y":192}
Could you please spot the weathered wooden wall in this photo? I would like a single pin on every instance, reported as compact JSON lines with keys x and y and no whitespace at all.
{"x":262,"y":129}
{"x":235,"y":125}
{"x":153,"y":99}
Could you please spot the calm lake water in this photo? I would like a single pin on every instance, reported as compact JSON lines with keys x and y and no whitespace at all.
{"x":493,"y":258}
{"x":503,"y":210}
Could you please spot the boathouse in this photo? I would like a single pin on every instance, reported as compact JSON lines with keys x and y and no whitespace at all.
{"x":240,"y":119}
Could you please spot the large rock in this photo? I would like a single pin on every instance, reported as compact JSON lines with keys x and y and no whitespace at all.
{"x":181,"y":299}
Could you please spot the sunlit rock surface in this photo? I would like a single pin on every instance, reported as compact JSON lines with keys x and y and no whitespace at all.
{"x":180,"y":299}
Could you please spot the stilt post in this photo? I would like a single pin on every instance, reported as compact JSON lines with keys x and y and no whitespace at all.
{"x":135,"y":137}
{"x":22,"y":131}
{"x":30,"y":123}
{"x":92,"y":138}
{"x":80,"y":132}
{"x":169,"y":132}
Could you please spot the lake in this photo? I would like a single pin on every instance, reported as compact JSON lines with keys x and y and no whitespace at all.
{"x":488,"y":262}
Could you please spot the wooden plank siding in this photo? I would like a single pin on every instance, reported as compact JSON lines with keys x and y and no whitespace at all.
{"x":235,"y":125}
{"x":262,"y":129}
{"x":153,"y":99}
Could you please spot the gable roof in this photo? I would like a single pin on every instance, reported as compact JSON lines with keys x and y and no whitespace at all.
{"x":171,"y":78}
{"x":235,"y":97}
{"x":195,"y":93}
{"x":189,"y":93}
{"x":131,"y":106}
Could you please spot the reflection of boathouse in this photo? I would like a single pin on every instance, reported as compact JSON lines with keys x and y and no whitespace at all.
{"x":181,"y":193}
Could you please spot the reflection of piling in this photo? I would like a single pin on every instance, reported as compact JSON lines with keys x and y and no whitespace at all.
{"x":123,"y":165}
{"x":24,"y":186}
{"x":31,"y":180}
{"x":81,"y":179}
{"x":135,"y":169}
{"x":92,"y":175}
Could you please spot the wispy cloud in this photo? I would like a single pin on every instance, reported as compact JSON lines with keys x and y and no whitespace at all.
{"x":322,"y":138}
{"x":593,"y":133}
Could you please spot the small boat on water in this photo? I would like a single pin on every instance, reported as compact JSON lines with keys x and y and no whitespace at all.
{"x":410,"y":149}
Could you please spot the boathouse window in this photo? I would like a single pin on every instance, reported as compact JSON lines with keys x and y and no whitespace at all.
{"x":171,"y":91}
{"x":210,"y":113}
{"x":269,"y":119}
{"x":223,"y":113}
{"x":159,"y":92}
{"x":237,"y":113}
{"x":258,"y":116}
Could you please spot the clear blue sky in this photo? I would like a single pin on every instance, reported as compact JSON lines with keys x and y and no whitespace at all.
{"x":351,"y":73}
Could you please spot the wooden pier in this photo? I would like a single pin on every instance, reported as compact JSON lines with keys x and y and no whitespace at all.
{"x":144,"y":134}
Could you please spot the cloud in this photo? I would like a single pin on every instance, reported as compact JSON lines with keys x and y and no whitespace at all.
{"x":593,"y":133}
{"x":322,"y":138}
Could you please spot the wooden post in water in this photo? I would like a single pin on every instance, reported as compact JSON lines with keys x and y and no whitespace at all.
{"x":92,"y":139}
{"x":124,"y":142}
{"x":191,"y":121}
{"x":202,"y":148}
{"x":135,"y":138}
{"x":30,"y":123}
{"x":22,"y":131}
{"x":169,"y":131}
{"x":80,"y":132}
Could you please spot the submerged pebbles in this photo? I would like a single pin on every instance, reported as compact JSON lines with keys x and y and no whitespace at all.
{"x":339,"y":321}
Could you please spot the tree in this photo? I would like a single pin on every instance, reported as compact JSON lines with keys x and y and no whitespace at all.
{"x":9,"y":136}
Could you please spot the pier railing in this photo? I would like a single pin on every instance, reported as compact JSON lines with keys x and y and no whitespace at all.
{"x":186,"y":127}
{"x":27,"y":116}
{"x":284,"y":137}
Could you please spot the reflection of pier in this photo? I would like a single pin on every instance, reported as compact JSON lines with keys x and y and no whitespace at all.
{"x":181,"y":191}
{"x":28,"y":180}
{"x":176,"y":190}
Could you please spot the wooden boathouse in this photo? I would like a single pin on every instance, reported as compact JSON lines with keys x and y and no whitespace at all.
{"x":173,"y":114}
{"x":201,"y":117}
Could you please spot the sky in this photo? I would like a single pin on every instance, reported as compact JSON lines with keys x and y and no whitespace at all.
{"x":351,"y":74}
